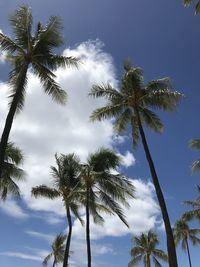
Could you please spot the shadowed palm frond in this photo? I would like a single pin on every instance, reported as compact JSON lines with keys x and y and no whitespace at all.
{"x":44,"y":191}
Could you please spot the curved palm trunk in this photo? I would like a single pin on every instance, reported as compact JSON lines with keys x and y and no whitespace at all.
{"x":54,"y":263}
{"x":88,"y":230}
{"x":10,"y":118}
{"x":67,"y":248}
{"x":188,"y":252}
{"x":170,"y":239}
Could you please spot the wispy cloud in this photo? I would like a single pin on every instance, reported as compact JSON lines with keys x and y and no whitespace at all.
{"x":11,"y":208}
{"x":47,"y":237}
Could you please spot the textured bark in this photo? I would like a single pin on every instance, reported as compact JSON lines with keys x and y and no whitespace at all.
{"x":10,"y":118}
{"x":170,"y":239}
{"x":67,"y":248}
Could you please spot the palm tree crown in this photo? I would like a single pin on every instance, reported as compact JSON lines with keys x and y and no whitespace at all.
{"x":183,"y":234}
{"x":57,"y":253}
{"x":145,"y":248}
{"x":35,"y":50}
{"x":11,"y":172}
{"x":134,"y":97}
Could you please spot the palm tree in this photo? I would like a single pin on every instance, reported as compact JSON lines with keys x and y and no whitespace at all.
{"x":11,"y":172}
{"x":145,"y":248}
{"x":58,"y":249}
{"x":132,"y":104}
{"x":195,"y":212}
{"x":187,"y":3}
{"x":66,"y":182}
{"x":35,"y":51}
{"x":195,"y":144}
{"x":183,"y":233}
{"x":103,"y":190}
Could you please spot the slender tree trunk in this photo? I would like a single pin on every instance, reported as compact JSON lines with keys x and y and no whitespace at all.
{"x":170,"y":239}
{"x":54,"y":263}
{"x":67,"y":248}
{"x":10,"y":117}
{"x":88,"y":230}
{"x":147,"y":260}
{"x":188,"y":252}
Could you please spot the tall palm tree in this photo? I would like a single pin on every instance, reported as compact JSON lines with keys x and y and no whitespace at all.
{"x":103,"y":189}
{"x":145,"y":248}
{"x":66,"y":182}
{"x":27,"y":50}
{"x":132,"y":103}
{"x":187,"y":3}
{"x":183,"y":233}
{"x":58,"y":249}
{"x":11,"y":172}
{"x":195,"y":212}
{"x":195,"y":144}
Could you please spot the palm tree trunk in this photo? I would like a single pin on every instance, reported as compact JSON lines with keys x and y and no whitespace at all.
{"x":188,"y":252}
{"x":67,"y":248}
{"x":148,"y":261}
{"x":170,"y":239}
{"x":88,"y":230}
{"x":10,"y":118}
{"x":54,"y":263}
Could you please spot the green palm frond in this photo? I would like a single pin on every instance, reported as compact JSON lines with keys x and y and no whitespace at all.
{"x":103,"y":160}
{"x":106,"y":112}
{"x":106,"y":91}
{"x":151,"y":120}
{"x":156,"y":262}
{"x":45,"y":191}
{"x":11,"y":172}
{"x":47,"y":259}
{"x":133,"y":262}
{"x":50,"y":86}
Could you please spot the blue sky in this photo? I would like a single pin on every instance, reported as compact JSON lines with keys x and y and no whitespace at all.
{"x":161,"y":37}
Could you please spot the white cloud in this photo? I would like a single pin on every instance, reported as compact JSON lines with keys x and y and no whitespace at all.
{"x":128,"y":159}
{"x":11,"y":208}
{"x":47,"y":237}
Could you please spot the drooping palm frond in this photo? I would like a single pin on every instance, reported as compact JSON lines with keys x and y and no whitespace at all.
{"x":45,"y":191}
{"x":195,"y":144}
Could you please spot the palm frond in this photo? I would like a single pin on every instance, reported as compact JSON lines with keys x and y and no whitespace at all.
{"x":50,"y":86}
{"x":44,"y":191}
{"x":195,"y":144}
{"x":21,"y":22}
{"x":134,"y":261}
{"x":106,"y":112}
{"x":106,"y":91}
{"x":151,"y":120}
{"x":47,"y":259}
{"x":196,"y":166}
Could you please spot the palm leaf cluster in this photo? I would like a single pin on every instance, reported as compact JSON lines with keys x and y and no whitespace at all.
{"x":145,"y":249}
{"x":11,"y":172}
